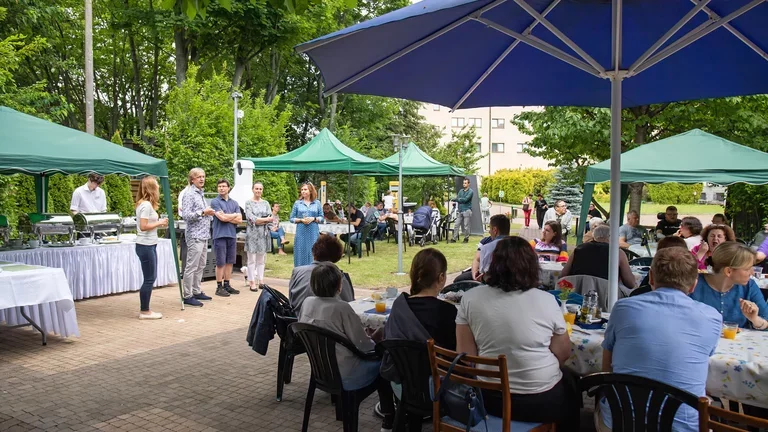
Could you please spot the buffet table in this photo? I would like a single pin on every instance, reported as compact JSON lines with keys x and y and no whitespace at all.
{"x":39,"y":296}
{"x":335,"y":229}
{"x":97,"y":270}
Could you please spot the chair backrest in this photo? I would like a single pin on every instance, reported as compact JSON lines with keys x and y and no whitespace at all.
{"x":637,"y":403}
{"x":460,"y":286}
{"x":411,"y":360}
{"x":641,"y":261}
{"x":281,"y":299}
{"x":282,"y":323}
{"x":440,"y":360}
{"x":725,"y":420}
{"x":630,"y":254}
{"x":321,"y":350}
{"x":583,"y":284}
{"x":365,"y":232}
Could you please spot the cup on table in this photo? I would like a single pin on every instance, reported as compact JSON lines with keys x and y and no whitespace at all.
{"x":570,"y":318}
{"x":730,"y":329}
{"x":392,"y":292}
{"x":379,"y":302}
{"x":758,"y":272}
{"x":33,"y":243}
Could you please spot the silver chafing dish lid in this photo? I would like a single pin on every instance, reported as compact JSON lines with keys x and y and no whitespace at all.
{"x":84,"y":221}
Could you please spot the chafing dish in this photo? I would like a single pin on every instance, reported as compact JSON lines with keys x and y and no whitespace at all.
{"x":99,"y":223}
{"x":49,"y":224}
{"x":5,"y":229}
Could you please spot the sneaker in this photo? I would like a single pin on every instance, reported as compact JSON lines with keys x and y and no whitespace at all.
{"x":202,"y":296}
{"x":453,"y":240}
{"x":150,"y":316}
{"x":466,"y":240}
{"x":377,"y":410}
{"x":231,"y":290}
{"x":192,"y":302}
{"x":222,"y":292}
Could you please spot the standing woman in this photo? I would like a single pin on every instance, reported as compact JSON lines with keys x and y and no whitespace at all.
{"x":527,"y":209}
{"x":258,"y":216}
{"x":306,"y":213}
{"x":147,"y":201}
{"x":541,"y":208}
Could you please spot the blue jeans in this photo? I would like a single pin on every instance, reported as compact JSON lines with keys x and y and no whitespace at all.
{"x":278,"y":235}
{"x":364,"y":374}
{"x":148,"y":259}
{"x":382,"y":228}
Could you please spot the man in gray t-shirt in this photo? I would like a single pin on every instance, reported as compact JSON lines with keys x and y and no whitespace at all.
{"x":631,"y":233}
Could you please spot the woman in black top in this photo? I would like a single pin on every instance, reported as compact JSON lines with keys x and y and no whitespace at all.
{"x":428,"y":274}
{"x":541,"y":208}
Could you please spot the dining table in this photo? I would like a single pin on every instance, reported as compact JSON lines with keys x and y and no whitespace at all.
{"x":550,"y":271}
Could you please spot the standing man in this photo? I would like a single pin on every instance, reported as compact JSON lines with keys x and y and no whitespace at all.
{"x":89,"y":198}
{"x":561,"y":215}
{"x":541,"y":208}
{"x":198,"y":217}
{"x":464,"y":198}
{"x":224,"y":237}
{"x":389,"y":201}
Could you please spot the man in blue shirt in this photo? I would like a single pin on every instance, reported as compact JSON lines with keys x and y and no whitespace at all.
{"x":663,"y":335}
{"x":224,"y":237}
{"x":464,"y":198}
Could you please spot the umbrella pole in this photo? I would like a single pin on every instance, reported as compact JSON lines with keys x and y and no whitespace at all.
{"x":616,"y":217}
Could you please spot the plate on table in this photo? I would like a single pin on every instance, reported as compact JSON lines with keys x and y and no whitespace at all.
{"x":107,"y":242}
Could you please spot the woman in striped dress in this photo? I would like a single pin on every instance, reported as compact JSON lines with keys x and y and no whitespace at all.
{"x":307,"y":213}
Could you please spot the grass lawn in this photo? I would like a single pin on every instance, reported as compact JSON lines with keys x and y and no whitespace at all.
{"x":683,"y":209}
{"x":377,"y":270}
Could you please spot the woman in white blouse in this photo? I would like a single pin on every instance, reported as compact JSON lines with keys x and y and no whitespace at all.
{"x":147,"y":201}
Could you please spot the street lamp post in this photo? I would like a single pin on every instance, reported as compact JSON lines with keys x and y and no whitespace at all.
{"x":399,"y":146}
{"x":237,"y":115}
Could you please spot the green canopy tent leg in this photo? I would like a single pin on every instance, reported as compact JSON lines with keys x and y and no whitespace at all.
{"x":41,"y":192}
{"x":172,"y":226}
{"x":586,"y":198}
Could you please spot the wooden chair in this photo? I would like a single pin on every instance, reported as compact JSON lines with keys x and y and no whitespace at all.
{"x":724,"y":420}
{"x":439,"y":361}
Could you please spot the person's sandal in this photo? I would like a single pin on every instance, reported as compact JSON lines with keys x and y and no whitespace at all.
{"x":254,"y":288}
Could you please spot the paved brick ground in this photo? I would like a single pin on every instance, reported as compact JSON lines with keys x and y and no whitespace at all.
{"x":190,"y":371}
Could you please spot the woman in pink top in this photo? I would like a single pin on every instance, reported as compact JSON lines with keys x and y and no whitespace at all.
{"x":712,"y":236}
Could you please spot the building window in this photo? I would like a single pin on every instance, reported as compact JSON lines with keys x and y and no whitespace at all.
{"x":478,"y":147}
{"x":457,"y":122}
{"x":476,"y":122}
{"x":435,"y":107}
{"x":497,"y":123}
{"x":522,"y":147}
{"x":497,"y":147}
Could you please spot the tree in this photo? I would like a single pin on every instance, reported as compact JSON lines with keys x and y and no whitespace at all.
{"x":564,"y":189}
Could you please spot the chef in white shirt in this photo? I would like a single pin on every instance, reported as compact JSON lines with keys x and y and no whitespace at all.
{"x":89,"y":198}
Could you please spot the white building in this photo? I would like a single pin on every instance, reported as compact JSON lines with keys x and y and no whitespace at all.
{"x":502,"y":145}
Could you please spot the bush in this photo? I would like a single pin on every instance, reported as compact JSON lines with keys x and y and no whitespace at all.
{"x":516,"y":184}
{"x":674,"y":193}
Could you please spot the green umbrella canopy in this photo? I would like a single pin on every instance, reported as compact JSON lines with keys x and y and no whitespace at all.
{"x":418,"y":163}
{"x":691,"y":157}
{"x":32,"y":145}
{"x":324,"y":153}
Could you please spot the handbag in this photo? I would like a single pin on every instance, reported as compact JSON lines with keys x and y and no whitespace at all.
{"x":460,"y":402}
{"x":525,"y":207}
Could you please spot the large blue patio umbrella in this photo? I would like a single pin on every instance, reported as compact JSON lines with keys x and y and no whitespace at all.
{"x":602,"y":53}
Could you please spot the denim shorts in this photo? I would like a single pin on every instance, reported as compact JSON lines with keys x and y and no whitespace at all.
{"x":225,"y":250}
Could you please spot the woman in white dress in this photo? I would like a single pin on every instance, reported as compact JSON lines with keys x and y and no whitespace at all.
{"x":258,"y":215}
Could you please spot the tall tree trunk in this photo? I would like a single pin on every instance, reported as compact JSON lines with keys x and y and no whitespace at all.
{"x":239,"y":69}
{"x":136,"y":82}
{"x":182,"y":54}
{"x":155,"y":86}
{"x":274,"y":59}
{"x":88,"y":51}
{"x":332,"y":117}
{"x":115,"y":108}
{"x":636,"y":189}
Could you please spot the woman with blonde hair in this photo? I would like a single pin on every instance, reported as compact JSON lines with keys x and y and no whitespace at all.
{"x":730,"y":289}
{"x":711,"y":237}
{"x":147,"y":201}
{"x":258,"y":216}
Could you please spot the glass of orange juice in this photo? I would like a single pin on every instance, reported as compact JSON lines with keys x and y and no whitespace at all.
{"x":570,"y":317}
{"x":730,"y":329}
{"x":569,"y":326}
{"x":379,"y":303}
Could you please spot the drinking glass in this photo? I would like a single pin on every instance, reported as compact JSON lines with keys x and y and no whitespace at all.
{"x":730,"y":329}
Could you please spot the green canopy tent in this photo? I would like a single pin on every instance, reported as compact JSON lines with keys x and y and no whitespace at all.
{"x":418,"y":163}
{"x":691,"y":157}
{"x":37,"y":147}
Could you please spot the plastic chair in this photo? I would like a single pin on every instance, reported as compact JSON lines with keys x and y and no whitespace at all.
{"x":321,"y":350}
{"x":444,"y":227}
{"x":641,"y":261}
{"x":630,"y":255}
{"x":725,"y":419}
{"x":460,"y":286}
{"x":289,"y":346}
{"x":439,"y":361}
{"x":411,"y":360}
{"x":637,"y":403}
{"x":358,"y":241}
{"x":392,"y":227}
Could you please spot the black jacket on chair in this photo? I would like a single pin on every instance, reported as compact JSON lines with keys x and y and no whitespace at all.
{"x":262,"y":327}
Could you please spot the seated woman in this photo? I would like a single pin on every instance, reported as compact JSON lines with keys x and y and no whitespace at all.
{"x":711,"y":236}
{"x":551,"y":246}
{"x":328,"y":311}
{"x":329,"y":214}
{"x":690,"y":231}
{"x":326,"y":249}
{"x":510,"y":316}
{"x":730,"y":290}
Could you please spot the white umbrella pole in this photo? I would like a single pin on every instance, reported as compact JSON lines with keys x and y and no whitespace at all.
{"x":616,"y":217}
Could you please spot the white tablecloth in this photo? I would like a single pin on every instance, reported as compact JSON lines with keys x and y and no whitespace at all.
{"x":336,"y":229}
{"x":98,"y":270}
{"x":47,"y":297}
{"x":371,"y":320}
{"x":737,"y":371}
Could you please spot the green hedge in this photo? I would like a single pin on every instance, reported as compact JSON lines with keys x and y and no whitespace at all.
{"x":674,"y":193}
{"x":516,"y":184}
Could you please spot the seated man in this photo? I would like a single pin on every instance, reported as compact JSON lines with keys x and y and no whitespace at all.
{"x":631,"y":233}
{"x":326,"y":248}
{"x":276,"y":232}
{"x":356,"y":219}
{"x":380,"y":216}
{"x":499,"y":228}
{"x":663,"y":335}
{"x":670,"y":224}
{"x":591,"y":259}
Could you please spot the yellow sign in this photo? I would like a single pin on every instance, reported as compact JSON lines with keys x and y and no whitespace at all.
{"x":394,"y":188}
{"x":323,"y":192}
